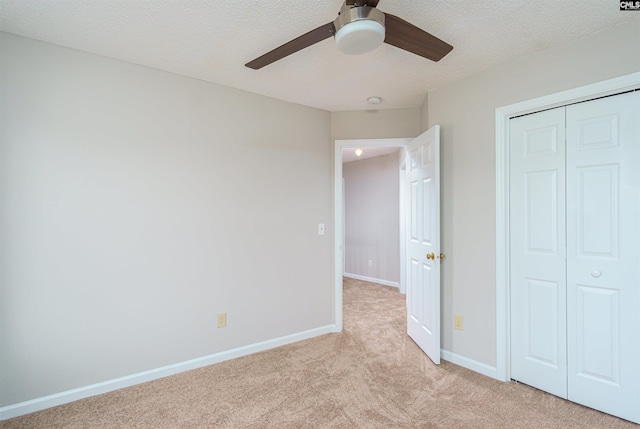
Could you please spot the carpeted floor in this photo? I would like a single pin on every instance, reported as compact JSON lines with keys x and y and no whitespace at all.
{"x":370,"y":376}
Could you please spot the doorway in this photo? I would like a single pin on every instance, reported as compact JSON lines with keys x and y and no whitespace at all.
{"x":372,"y":192}
{"x":419,"y":240}
{"x":339,"y":215}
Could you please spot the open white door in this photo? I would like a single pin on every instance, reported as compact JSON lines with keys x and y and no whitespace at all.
{"x":423,"y":244}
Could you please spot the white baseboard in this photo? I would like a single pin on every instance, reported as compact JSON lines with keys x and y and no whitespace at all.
{"x":56,"y":399}
{"x":471,"y":364}
{"x":372,"y":280}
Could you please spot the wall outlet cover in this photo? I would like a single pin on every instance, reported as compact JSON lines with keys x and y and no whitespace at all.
{"x":222,"y":320}
{"x":458,"y":322}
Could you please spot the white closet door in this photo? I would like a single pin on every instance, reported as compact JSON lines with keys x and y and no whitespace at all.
{"x":603,"y":257}
{"x":537,"y":250}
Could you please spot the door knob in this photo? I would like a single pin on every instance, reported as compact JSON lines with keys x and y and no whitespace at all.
{"x":596,"y":273}
{"x":433,"y":256}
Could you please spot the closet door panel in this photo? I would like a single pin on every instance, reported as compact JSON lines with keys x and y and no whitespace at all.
{"x":537,"y":251}
{"x":603,"y":258}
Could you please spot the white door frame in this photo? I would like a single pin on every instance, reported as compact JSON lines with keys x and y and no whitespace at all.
{"x":503,"y":114}
{"x":338,"y":268}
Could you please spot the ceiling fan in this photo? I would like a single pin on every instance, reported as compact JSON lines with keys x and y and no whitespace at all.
{"x":359,"y":28}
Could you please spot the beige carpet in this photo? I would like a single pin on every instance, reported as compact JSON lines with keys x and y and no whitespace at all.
{"x":370,"y":376}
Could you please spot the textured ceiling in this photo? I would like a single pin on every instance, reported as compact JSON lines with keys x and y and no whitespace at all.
{"x":213,"y":39}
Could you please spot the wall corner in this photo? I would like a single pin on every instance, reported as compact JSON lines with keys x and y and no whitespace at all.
{"x":424,"y":114}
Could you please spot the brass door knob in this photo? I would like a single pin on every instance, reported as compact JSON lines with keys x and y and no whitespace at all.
{"x":431,"y":256}
{"x":442,"y":256}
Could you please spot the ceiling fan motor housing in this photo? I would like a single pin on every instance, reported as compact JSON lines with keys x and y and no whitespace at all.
{"x":359,"y":29}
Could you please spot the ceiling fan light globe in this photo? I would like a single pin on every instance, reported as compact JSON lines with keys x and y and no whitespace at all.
{"x":359,"y":37}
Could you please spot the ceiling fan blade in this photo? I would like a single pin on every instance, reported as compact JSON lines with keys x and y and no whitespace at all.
{"x":295,"y":45}
{"x":407,"y":36}
{"x":370,"y":3}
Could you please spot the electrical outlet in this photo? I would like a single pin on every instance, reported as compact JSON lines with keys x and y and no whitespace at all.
{"x":370,"y":263}
{"x":458,"y":322}
{"x":222,"y":320}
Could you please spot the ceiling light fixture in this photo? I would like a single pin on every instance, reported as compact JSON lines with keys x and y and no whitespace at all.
{"x":359,"y":29}
{"x":359,"y":151}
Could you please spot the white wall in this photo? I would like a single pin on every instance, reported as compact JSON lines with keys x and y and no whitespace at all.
{"x":372,"y":218}
{"x":466,"y":113}
{"x":375,"y":124}
{"x":137,"y":204}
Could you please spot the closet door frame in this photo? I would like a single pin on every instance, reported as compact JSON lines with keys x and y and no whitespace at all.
{"x":503,"y":114}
